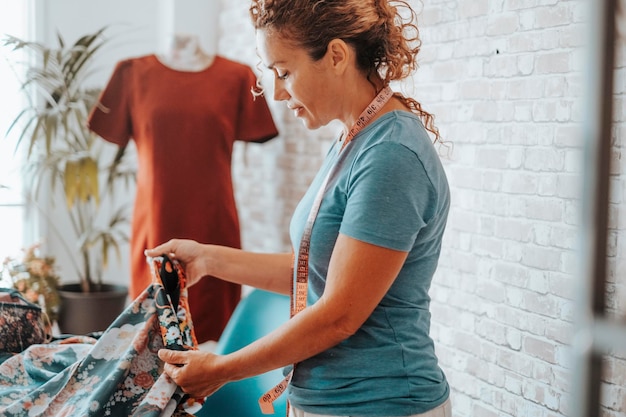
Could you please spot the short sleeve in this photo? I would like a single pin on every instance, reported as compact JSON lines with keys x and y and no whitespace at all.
{"x":255,"y":122}
{"x":110,"y":118}
{"x":389,"y":195}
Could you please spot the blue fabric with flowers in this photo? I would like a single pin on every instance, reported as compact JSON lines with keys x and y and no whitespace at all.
{"x":116,"y":374}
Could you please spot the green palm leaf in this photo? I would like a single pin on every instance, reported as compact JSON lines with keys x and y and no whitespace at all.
{"x":62,"y":150}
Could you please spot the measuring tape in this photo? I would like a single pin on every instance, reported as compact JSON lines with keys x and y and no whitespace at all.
{"x":299,"y":293}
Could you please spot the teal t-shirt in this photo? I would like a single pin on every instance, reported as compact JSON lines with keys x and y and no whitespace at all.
{"x":390,"y":190}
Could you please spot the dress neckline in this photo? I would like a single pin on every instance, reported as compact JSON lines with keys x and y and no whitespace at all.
{"x":206,"y":68}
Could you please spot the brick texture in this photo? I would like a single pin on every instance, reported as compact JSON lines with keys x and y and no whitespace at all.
{"x":504,"y":79}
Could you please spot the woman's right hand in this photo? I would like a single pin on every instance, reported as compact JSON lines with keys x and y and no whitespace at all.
{"x":189,"y":253}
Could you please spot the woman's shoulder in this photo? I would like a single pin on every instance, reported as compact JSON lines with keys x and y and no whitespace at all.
{"x":401,"y":127}
{"x":400,"y":136}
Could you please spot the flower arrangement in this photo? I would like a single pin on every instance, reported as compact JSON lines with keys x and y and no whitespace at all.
{"x":36,"y":278}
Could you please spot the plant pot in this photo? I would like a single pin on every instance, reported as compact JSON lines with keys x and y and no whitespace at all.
{"x":86,"y":312}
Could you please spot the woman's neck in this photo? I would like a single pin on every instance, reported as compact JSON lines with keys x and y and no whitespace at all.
{"x":185,"y":54}
{"x":359,"y":91}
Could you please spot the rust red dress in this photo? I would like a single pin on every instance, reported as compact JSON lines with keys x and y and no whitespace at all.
{"x":184,"y":125}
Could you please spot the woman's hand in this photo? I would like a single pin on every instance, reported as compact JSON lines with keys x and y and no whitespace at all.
{"x":191,"y":254}
{"x":194,"y":371}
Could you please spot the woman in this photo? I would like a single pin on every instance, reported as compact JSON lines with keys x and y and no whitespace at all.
{"x":362,"y":345}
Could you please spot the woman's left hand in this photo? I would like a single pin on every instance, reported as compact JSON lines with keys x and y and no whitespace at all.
{"x":194,"y":371}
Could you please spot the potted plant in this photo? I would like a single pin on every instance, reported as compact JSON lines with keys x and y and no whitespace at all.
{"x":62,"y":153}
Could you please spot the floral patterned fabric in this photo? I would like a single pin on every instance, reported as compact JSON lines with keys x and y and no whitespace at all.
{"x":22,"y":323}
{"x":115,"y":374}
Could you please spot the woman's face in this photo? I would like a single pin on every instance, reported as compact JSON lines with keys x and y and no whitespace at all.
{"x":305,"y":85}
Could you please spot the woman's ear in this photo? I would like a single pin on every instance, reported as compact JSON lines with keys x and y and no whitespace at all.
{"x":340,"y":55}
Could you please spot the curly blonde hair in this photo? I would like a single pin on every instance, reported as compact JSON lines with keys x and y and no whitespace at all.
{"x":386,"y":41}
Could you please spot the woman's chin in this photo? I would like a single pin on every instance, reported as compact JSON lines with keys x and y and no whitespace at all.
{"x":310,"y":124}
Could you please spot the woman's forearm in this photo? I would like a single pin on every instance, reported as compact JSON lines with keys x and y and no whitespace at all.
{"x":271,"y":272}
{"x":308,"y":333}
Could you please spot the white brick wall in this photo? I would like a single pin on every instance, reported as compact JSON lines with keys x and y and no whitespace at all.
{"x":503,"y":78}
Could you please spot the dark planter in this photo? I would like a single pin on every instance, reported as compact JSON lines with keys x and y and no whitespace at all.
{"x":86,"y":312}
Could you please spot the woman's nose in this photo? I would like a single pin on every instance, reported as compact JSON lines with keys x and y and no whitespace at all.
{"x":280,"y":93}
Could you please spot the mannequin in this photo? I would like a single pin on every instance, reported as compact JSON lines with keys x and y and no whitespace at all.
{"x":185,"y":54}
{"x":184,"y":108}
{"x":188,"y":31}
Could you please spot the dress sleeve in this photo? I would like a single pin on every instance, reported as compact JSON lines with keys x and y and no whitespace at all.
{"x":255,"y":122}
{"x":110,"y":118}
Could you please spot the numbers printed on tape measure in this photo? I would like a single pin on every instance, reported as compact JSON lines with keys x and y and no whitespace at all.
{"x":266,"y":401}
